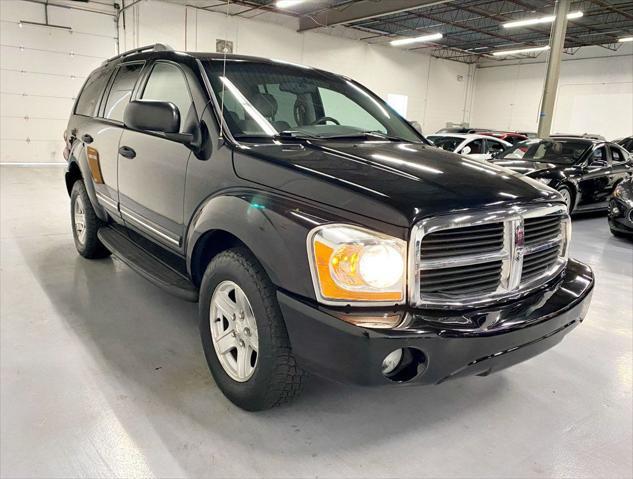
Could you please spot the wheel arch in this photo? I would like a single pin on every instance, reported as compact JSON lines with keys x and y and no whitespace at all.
{"x":265,"y":225}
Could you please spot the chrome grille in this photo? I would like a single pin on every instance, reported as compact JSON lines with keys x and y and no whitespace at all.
{"x":539,"y":262}
{"x":541,"y":229}
{"x":469,"y":259}
{"x":469,"y":279}
{"x":459,"y":241}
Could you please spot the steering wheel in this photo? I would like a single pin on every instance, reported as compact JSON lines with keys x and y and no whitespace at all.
{"x":325,"y":119}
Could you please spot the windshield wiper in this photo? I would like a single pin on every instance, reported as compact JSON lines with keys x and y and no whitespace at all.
{"x":365,"y":135}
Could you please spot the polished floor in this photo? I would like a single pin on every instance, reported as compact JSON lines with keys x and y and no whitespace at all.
{"x":103,"y":376}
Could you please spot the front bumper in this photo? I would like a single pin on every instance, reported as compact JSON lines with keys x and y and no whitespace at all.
{"x":452,"y":343}
{"x":620,"y":219}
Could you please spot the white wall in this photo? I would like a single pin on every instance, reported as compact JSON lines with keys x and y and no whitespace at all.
{"x":595,"y":94}
{"x":41,"y":71}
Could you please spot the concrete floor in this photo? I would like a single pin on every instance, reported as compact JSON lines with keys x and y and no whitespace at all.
{"x":103,"y":376}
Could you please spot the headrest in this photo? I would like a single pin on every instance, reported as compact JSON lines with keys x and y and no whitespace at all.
{"x":265,"y":104}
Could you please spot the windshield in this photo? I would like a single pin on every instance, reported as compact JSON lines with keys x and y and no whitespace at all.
{"x":563,"y":152}
{"x":448,"y":143}
{"x":265,"y":100}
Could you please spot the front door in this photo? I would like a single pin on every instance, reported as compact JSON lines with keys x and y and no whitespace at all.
{"x":152,"y":169}
{"x":595,"y":179}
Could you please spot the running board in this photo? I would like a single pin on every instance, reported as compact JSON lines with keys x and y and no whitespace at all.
{"x":147,"y":265}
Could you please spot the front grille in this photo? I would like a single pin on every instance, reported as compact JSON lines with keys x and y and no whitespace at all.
{"x":462,"y":241}
{"x":541,"y":229}
{"x":482,"y":277}
{"x":537,"y":263}
{"x":492,"y":255}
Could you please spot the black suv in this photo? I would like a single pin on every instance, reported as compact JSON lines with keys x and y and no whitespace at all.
{"x":315,"y":227}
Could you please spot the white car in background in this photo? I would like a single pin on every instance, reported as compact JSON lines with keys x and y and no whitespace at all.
{"x":479,"y":147}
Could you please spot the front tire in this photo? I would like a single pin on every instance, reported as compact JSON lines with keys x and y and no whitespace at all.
{"x":243,"y":333}
{"x":85,"y":224}
{"x":567,"y":197}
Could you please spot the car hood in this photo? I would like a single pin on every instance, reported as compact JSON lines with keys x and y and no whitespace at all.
{"x":398,"y":183}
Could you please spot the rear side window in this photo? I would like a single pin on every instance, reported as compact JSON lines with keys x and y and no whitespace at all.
{"x":91,"y":93}
{"x":121,"y":90}
{"x":617,"y":155}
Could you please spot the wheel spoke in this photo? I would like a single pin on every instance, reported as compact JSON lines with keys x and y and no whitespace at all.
{"x":243,"y":362}
{"x":226,"y":342}
{"x":224,"y":304}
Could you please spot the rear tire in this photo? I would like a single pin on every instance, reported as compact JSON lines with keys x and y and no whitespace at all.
{"x":85,"y":224}
{"x":238,"y":291}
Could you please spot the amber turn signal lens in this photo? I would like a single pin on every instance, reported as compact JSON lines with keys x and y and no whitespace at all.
{"x":351,"y":264}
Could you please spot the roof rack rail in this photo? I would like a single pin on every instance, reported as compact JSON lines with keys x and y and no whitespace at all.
{"x":156,"y":47}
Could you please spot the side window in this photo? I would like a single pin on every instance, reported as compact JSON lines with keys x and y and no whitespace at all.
{"x":91,"y":93}
{"x":347,"y":112}
{"x":495,"y":146}
{"x":475,"y":147}
{"x":617,"y":155}
{"x":599,"y":155}
{"x":167,"y":83}
{"x":121,"y":90}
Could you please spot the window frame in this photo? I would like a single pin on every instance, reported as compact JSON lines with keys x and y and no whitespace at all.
{"x":113,"y":75}
{"x":97,"y":109}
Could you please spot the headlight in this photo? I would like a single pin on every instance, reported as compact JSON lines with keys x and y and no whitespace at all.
{"x":618,"y":192}
{"x":354,"y":265}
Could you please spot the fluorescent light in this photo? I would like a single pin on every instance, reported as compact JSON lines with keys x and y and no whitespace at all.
{"x":540,"y":20}
{"x":625,"y":39}
{"x":423,"y":38}
{"x":288,"y":3}
{"x":520,"y":50}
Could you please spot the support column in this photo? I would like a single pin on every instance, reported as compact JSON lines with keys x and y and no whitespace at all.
{"x":556,"y":45}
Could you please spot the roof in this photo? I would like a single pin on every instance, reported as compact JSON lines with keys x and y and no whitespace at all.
{"x":466,"y":136}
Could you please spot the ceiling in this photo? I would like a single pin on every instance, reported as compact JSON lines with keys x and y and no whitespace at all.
{"x":471,"y":28}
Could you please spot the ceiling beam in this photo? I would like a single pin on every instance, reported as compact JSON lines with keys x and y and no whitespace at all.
{"x":362,"y":10}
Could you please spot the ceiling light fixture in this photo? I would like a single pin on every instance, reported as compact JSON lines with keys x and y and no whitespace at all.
{"x":625,"y":39}
{"x":536,"y":21}
{"x":288,"y":3}
{"x":520,"y":50}
{"x":423,"y":38}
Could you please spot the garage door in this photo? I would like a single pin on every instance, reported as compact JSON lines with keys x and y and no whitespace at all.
{"x":42,"y":70}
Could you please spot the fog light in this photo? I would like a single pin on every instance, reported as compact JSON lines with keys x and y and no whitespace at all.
{"x":391,"y":361}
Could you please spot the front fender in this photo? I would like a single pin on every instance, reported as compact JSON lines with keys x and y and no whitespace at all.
{"x":272,"y":226}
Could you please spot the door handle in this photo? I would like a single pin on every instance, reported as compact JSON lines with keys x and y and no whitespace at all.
{"x":87,"y":138}
{"x":127,"y":152}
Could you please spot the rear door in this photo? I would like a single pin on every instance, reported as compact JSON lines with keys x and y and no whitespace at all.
{"x":105,"y":132}
{"x":594,"y":184}
{"x":152,"y":174}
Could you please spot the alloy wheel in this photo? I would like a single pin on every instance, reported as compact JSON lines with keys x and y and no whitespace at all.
{"x":234,"y":331}
{"x":79,"y":216}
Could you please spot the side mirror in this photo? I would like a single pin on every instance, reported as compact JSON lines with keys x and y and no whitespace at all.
{"x":466,"y":150}
{"x":156,"y":117}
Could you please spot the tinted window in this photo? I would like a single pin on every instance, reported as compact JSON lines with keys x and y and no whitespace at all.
{"x":167,"y":83}
{"x":121,"y":90}
{"x":448,"y":143}
{"x":495,"y":146}
{"x":91,"y":93}
{"x":475,"y":147}
{"x":617,"y":155}
{"x":564,"y":152}
{"x":264,"y":99}
{"x":599,"y":155}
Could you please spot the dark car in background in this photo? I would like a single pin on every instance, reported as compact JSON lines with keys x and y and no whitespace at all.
{"x":621,"y":209}
{"x":626,"y":143}
{"x":584,"y":171}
